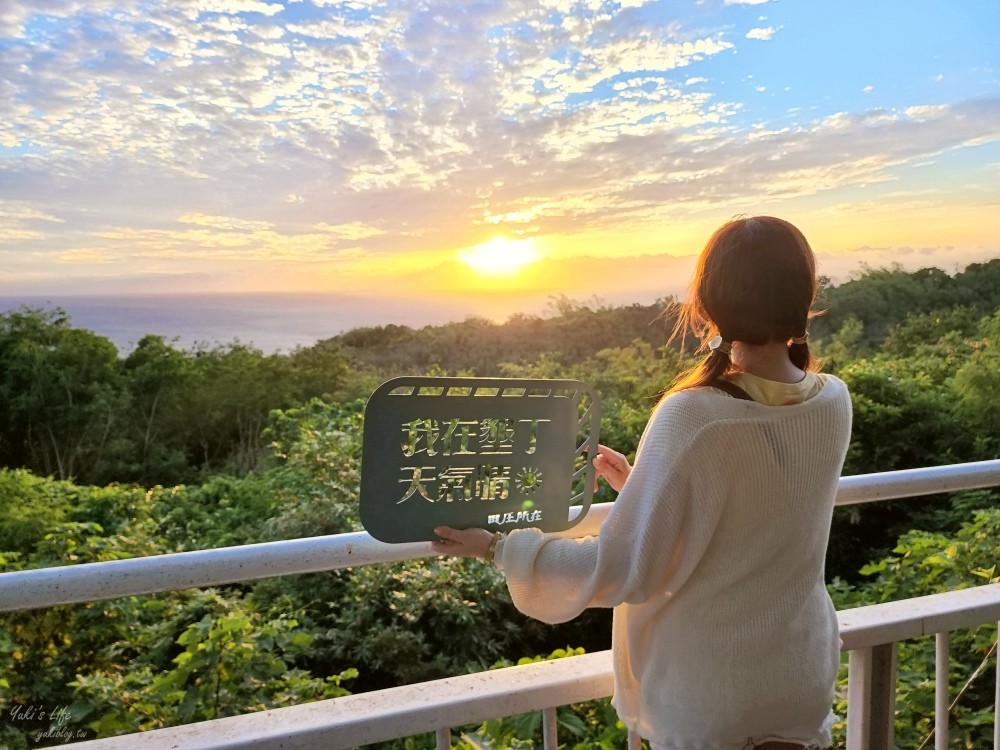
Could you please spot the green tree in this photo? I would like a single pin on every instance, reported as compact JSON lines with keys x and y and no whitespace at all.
{"x":880,"y":297}
{"x":61,"y":392}
{"x":233,"y":388}
{"x":158,"y":379}
{"x":315,"y":478}
{"x":976,"y":387}
{"x":321,"y":371}
{"x":30,"y":505}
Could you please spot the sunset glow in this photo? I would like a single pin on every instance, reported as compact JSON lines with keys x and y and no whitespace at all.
{"x":585,"y":147}
{"x":500,"y":256}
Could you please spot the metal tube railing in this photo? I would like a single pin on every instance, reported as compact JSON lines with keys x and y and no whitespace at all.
{"x":72,"y":584}
{"x":928,"y":480}
{"x":367,"y":718}
{"x":383,"y":715}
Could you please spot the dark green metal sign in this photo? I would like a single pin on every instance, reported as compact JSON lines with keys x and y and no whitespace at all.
{"x":494,"y":453}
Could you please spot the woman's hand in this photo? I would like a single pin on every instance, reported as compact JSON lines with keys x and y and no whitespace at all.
{"x":462,"y":542}
{"x":611,"y":465}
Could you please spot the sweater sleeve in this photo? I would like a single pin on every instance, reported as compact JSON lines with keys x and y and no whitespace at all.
{"x":648,"y":544}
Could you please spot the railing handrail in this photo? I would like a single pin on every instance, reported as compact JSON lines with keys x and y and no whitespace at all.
{"x":366,"y":718}
{"x":73,"y":584}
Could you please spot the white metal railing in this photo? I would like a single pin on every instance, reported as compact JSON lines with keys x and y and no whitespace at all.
{"x":869,"y":634}
{"x":72,"y":584}
{"x":357,"y":720}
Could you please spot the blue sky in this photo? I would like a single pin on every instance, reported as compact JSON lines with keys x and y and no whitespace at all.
{"x":255,"y":145}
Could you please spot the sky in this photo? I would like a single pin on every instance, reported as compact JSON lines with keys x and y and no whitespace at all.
{"x":498,"y":153}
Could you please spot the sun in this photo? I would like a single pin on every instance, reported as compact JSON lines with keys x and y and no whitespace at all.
{"x":500,"y":256}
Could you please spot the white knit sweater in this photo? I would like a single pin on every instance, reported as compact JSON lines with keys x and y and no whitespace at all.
{"x":713,"y":557}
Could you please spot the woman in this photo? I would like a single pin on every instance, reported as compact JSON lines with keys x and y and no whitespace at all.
{"x":724,"y":636}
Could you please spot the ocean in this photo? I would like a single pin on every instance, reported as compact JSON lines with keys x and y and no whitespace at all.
{"x":270,"y":322}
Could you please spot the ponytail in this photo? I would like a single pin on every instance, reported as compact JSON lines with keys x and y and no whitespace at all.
{"x":798,"y":350}
{"x":712,"y":367}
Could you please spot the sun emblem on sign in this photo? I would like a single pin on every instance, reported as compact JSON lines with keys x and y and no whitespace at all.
{"x":528,"y":479}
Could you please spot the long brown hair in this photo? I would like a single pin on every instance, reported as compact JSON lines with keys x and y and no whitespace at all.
{"x":755,"y":282}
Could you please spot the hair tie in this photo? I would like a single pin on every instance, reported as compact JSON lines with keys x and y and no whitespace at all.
{"x":801,"y":339}
{"x":716,"y":343}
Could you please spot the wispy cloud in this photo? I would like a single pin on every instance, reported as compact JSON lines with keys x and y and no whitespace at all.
{"x":762,"y":33}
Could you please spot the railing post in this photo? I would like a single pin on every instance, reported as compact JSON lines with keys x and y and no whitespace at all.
{"x":550,"y":728}
{"x":996,"y":700}
{"x":941,"y":701}
{"x":871,"y":698}
{"x":444,"y":738}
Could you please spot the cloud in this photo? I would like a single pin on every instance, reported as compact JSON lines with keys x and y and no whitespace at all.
{"x":925,"y":112}
{"x":224,"y":223}
{"x":11,"y":235}
{"x":15,"y":212}
{"x":20,"y":221}
{"x":240,"y":6}
{"x":89,"y":256}
{"x":761,"y":33}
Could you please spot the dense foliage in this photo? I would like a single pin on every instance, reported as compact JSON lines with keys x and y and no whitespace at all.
{"x":164,"y":450}
{"x":74,"y":409}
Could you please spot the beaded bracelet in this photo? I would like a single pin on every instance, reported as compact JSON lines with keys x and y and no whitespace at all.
{"x":492,"y":549}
